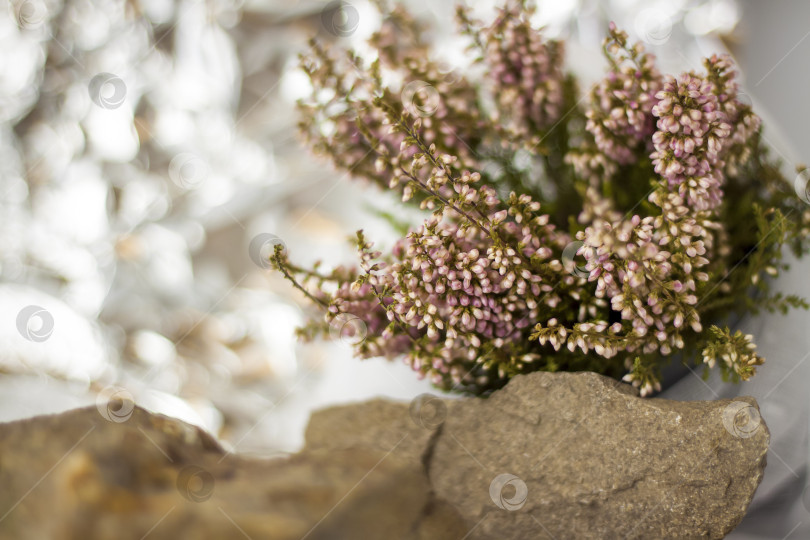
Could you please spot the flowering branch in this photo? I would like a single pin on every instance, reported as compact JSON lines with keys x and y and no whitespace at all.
{"x":661,"y":209}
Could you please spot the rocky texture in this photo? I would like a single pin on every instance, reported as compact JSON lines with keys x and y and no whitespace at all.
{"x":572,"y":455}
{"x":79,"y":476}
{"x":550,"y":456}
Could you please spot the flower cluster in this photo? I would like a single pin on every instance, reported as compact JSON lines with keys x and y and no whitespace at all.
{"x":736,"y":352}
{"x":525,"y":70}
{"x":606,"y":237}
{"x":690,"y":138}
{"x":620,"y":117}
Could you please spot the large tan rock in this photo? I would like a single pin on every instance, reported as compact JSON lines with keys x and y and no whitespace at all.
{"x":562,"y":456}
{"x":571,"y":455}
{"x":79,"y":476}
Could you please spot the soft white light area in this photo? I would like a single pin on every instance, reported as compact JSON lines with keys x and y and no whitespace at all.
{"x":95,"y":22}
{"x":368,"y":20}
{"x":174,"y":126}
{"x":24,"y":396}
{"x":77,"y":208}
{"x":337,"y":378}
{"x":17,"y":67}
{"x":252,"y":163}
{"x":85,"y":286}
{"x":166,"y":260}
{"x":295,"y":84}
{"x":163,"y":403}
{"x":143,"y":198}
{"x":152,"y":348}
{"x":718,"y":16}
{"x":158,"y":11}
{"x":206,"y":67}
{"x":554,"y":15}
{"x":111,"y":133}
{"x":73,"y":350}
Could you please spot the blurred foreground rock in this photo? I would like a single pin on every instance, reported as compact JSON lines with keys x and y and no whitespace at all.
{"x":550,"y":456}
{"x":78,"y":476}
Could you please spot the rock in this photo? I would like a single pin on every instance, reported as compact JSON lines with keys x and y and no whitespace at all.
{"x":379,"y":424}
{"x":570,"y":455}
{"x":552,"y":455}
{"x":126,"y":473}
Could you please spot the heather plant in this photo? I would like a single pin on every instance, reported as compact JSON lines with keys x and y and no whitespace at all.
{"x":611,"y":234}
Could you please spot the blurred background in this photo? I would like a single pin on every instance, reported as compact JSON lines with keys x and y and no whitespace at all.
{"x":149,"y":160}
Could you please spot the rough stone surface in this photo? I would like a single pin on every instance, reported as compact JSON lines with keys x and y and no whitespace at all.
{"x":596,"y":461}
{"x":80,"y":476}
{"x":561,"y":456}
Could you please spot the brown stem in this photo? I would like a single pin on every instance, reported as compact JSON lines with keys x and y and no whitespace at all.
{"x":283,"y":269}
